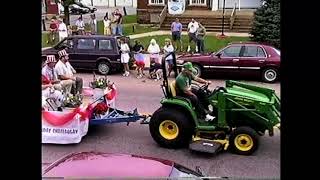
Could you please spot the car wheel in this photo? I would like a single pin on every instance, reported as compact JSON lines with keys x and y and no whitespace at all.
{"x":103,"y":67}
{"x":243,"y":141}
{"x":171,"y":128}
{"x":198,"y":70}
{"x":269,"y":75}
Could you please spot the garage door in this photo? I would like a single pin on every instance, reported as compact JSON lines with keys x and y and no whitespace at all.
{"x":124,"y":2}
{"x":243,"y":3}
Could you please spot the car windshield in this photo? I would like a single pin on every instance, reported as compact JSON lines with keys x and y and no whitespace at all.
{"x":277,"y":51}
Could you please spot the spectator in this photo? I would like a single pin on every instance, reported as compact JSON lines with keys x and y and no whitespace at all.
{"x":176,"y":30}
{"x":63,"y":31}
{"x":53,"y":28}
{"x":201,"y":32}
{"x":65,"y":71}
{"x":118,"y":21}
{"x":93,"y":24}
{"x":168,"y":48}
{"x":155,"y":63}
{"x":107,"y":25}
{"x":51,"y":77}
{"x":125,"y":50}
{"x":192,"y":29}
{"x":139,"y":58}
{"x":80,"y":26}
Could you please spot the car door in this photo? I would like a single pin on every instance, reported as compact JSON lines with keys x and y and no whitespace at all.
{"x":85,"y":53}
{"x":226,"y":60}
{"x":252,"y":59}
{"x":107,"y":48}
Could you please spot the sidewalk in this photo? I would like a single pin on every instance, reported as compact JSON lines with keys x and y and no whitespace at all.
{"x":158,"y":33}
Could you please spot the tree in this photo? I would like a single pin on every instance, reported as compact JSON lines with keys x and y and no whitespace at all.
{"x":66,"y":4}
{"x":266,"y":23}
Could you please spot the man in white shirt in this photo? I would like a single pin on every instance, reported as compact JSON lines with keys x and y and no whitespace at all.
{"x":192,"y":29}
{"x":65,"y":71}
{"x":80,"y":26}
{"x":48,"y":71}
{"x":63,"y":31}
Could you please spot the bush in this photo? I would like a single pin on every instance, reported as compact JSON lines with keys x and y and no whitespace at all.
{"x":266,"y":23}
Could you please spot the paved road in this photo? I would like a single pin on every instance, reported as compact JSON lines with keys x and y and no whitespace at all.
{"x":136,"y":139}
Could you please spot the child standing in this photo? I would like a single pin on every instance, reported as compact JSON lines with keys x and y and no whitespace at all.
{"x":125,"y":50}
{"x":139,"y":58}
{"x":107,"y":25}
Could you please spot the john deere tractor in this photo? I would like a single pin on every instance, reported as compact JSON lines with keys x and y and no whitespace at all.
{"x":243,"y":113}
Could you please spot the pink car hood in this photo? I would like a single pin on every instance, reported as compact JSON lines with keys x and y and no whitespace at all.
{"x":107,"y":165}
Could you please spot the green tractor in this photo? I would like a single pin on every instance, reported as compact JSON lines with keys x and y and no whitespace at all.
{"x":243,"y":113}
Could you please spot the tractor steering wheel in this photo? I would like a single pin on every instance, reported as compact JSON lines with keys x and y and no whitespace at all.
{"x":217,"y":89}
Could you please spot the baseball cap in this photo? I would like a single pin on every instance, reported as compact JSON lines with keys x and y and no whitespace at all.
{"x":188,"y":66}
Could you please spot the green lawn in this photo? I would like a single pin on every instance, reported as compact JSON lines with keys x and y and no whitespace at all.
{"x":129,"y":19}
{"x":127,"y":28}
{"x":212,"y":44}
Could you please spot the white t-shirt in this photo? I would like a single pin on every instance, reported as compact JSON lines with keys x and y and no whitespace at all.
{"x":154,"y":49}
{"x":107,"y":23}
{"x":63,"y":31}
{"x":80,"y":24}
{"x":64,"y":69}
{"x":124,"y":48}
{"x":193,"y":27}
{"x":167,"y":50}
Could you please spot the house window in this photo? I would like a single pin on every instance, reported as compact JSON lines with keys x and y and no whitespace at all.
{"x":156,"y":2}
{"x":198,"y":2}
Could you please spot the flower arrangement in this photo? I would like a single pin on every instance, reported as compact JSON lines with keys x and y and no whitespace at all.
{"x":73,"y":101}
{"x":100,"y":83}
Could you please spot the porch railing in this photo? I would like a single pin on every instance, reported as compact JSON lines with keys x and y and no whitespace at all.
{"x":233,"y":16}
{"x":163,"y":15}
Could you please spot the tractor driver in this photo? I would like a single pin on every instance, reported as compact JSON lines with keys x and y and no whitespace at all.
{"x":183,"y":88}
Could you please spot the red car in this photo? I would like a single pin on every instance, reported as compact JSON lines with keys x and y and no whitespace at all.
{"x":238,"y":59}
{"x":97,"y":164}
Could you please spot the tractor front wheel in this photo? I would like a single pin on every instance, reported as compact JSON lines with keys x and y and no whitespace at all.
{"x":243,"y":141}
{"x":171,"y":128}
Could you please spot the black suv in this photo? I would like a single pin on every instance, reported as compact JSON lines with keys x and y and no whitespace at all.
{"x":94,"y":52}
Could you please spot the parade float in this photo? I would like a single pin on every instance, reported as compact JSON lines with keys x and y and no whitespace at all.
{"x":69,"y":124}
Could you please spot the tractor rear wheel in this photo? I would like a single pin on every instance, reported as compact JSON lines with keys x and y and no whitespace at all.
{"x":171,"y":128}
{"x":243,"y":141}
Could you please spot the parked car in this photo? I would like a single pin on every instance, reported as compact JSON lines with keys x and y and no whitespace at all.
{"x":94,"y":52}
{"x":238,"y":59}
{"x":76,"y":9}
{"x":98,"y":164}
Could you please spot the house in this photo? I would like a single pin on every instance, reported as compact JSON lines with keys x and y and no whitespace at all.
{"x":157,"y":12}
{"x":110,"y":3}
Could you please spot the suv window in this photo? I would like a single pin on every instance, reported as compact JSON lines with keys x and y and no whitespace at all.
{"x":66,"y":43}
{"x":86,"y":44}
{"x":253,"y":51}
{"x":105,"y":45}
{"x":231,"y":51}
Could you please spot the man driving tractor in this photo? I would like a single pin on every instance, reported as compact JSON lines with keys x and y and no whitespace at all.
{"x":183,"y":88}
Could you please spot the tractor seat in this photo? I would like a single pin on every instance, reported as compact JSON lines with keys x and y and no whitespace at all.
{"x":172,"y":89}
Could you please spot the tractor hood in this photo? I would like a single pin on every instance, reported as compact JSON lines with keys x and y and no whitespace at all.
{"x":256,"y":93}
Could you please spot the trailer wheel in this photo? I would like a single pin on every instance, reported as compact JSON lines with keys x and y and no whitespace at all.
{"x":243,"y":141}
{"x":171,"y":128}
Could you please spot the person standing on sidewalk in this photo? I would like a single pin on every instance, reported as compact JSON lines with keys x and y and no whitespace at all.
{"x":93,"y":24}
{"x":125,"y":57}
{"x":176,"y":30}
{"x":118,"y":21}
{"x":192,"y":29}
{"x":53,"y":28}
{"x":107,"y":25}
{"x":80,"y":26}
{"x":168,"y":48}
{"x":201,"y":32}
{"x":63,"y":31}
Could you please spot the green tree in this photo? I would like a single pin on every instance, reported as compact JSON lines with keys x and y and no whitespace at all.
{"x":266,"y":23}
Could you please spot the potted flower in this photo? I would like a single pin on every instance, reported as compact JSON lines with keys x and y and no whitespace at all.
{"x":73,"y":101}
